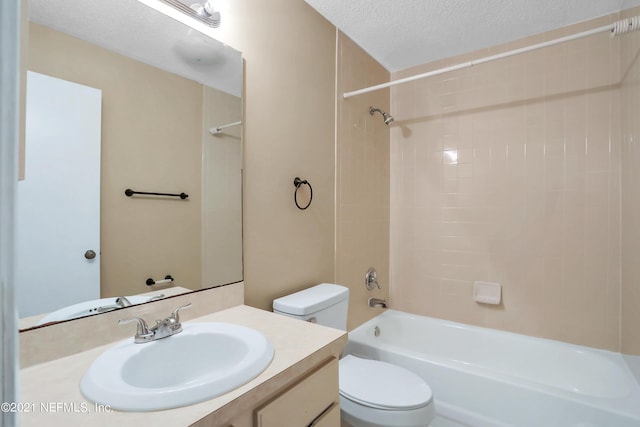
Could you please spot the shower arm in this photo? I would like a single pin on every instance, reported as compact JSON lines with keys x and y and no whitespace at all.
{"x":388,"y":118}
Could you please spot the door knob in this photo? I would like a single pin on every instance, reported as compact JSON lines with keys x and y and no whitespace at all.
{"x":89,"y":254}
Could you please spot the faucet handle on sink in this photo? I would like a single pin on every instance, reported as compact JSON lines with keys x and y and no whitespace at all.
{"x":142,"y":332}
{"x":175,"y":316}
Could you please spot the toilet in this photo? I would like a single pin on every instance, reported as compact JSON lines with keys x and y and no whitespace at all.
{"x":372,"y":393}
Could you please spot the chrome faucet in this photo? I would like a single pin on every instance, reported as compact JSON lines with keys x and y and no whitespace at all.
{"x":156,"y":297}
{"x":378,"y":303}
{"x":120,"y":302}
{"x":162,"y":329}
{"x":123,"y":302}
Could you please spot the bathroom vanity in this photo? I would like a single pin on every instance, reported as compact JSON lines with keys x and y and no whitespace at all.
{"x":305,"y":364}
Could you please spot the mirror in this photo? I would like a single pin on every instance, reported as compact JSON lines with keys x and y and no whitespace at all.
{"x":170,"y":122}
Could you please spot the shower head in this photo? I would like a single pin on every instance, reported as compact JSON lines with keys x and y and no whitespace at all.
{"x":386,"y":116}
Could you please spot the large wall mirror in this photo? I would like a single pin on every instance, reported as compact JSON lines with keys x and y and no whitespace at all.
{"x":163,"y":104}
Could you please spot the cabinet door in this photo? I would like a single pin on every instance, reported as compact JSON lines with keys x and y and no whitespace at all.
{"x":304,"y":402}
{"x":244,"y":420}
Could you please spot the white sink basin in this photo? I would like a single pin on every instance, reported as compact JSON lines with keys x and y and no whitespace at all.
{"x":203,"y":361}
{"x":87,"y":308}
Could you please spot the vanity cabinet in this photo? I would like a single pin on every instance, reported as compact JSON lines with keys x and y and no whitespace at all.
{"x":311,"y":401}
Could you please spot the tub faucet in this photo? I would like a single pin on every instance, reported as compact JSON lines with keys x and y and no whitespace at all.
{"x":378,"y":303}
{"x":162,"y":329}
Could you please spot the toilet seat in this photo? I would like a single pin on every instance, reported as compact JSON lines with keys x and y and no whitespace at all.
{"x":381,"y":385}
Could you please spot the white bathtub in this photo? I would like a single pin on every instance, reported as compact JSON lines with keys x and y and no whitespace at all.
{"x":485,"y":377}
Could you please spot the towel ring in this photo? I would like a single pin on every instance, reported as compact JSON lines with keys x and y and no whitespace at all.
{"x":297,"y":182}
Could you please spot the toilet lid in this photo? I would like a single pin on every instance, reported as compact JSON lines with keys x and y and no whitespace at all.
{"x":382,"y":385}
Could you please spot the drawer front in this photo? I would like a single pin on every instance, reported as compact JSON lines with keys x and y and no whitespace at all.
{"x":330,"y":417}
{"x":305,"y":401}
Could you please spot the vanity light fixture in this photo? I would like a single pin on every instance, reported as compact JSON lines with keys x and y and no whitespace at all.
{"x":200,"y":16}
{"x":203,"y":12}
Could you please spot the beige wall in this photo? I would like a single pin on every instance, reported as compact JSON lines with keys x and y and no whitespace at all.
{"x":290,"y":54}
{"x":509,"y":172}
{"x":630,"y":100}
{"x":362,"y":191}
{"x":289,"y":131}
{"x":141,"y":237}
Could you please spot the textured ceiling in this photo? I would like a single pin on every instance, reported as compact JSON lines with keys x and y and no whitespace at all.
{"x":403,"y":33}
{"x":132,"y":29}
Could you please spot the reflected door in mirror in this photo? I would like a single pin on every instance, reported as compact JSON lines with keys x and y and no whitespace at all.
{"x":58,"y":244}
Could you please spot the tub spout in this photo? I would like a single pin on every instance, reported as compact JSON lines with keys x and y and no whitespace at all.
{"x":378,"y":303}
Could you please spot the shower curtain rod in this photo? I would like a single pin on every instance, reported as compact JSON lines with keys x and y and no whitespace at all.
{"x":218,"y":129}
{"x":617,"y":28}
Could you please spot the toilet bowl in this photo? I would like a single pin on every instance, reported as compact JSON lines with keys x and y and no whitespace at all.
{"x":379,"y":394}
{"x":372,"y":393}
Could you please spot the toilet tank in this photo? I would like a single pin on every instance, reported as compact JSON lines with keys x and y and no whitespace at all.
{"x":325,"y":304}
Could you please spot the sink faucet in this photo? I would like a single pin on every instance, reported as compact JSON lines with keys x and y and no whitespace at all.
{"x":120,"y":302}
{"x":162,"y":329}
{"x":123,"y":302}
{"x":156,"y":297}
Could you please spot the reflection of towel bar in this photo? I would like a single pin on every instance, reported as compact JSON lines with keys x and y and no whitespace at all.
{"x":129,"y":192}
{"x":218,"y":129}
{"x":167,"y":279}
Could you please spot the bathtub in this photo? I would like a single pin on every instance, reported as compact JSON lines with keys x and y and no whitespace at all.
{"x":488,"y":378}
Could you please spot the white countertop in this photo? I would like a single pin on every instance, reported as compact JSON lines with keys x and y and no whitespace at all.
{"x":50,"y":393}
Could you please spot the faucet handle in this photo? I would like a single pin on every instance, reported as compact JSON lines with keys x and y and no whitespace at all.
{"x":175,"y":314}
{"x":142,"y":330}
{"x":371,"y":279}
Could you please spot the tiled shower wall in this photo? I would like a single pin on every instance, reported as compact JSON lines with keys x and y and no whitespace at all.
{"x":630,"y":97}
{"x":509,"y":172}
{"x":362,"y":181}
